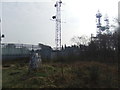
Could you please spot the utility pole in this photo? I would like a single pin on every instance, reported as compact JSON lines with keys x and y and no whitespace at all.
{"x":1,"y":36}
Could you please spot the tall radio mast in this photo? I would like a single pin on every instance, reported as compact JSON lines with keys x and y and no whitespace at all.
{"x":57,"y":18}
{"x":99,"y":24}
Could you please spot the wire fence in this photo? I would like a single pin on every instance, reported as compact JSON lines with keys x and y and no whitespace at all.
{"x":13,"y":50}
{"x":16,"y":45}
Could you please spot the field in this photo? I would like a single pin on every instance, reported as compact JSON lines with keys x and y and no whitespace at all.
{"x":61,"y":75}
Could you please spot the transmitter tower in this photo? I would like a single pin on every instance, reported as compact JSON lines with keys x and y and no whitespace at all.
{"x":57,"y":18}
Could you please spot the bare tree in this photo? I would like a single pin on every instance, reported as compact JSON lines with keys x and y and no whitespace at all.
{"x":81,"y":40}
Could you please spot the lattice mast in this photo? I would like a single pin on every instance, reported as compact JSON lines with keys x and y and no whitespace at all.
{"x":98,"y":16}
{"x":107,"y":27}
{"x":57,"y":18}
{"x":101,"y":28}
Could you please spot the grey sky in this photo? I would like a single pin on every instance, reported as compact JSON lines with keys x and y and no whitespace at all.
{"x":29,"y":22}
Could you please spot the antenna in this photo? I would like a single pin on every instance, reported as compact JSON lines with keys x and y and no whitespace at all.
{"x":107,"y":27}
{"x":57,"y":18}
{"x":98,"y":16}
{"x":1,"y":36}
{"x":99,"y":25}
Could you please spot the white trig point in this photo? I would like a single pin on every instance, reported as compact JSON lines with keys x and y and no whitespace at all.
{"x":35,"y":62}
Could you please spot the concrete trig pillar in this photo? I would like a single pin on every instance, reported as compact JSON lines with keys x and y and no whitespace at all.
{"x":35,"y":62}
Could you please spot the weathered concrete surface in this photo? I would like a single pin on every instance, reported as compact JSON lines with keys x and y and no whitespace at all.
{"x":35,"y":62}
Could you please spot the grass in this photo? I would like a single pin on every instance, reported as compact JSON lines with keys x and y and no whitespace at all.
{"x":57,"y":75}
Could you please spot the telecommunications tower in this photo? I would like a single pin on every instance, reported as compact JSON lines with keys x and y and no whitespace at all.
{"x":98,"y":17}
{"x":101,"y":28}
{"x":57,"y":18}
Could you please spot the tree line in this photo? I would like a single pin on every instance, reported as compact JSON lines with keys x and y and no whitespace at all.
{"x":104,"y":47}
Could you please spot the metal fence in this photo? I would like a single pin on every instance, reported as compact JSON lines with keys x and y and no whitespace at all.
{"x":13,"y":50}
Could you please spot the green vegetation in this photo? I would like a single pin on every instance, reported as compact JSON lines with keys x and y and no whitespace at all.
{"x":57,"y":75}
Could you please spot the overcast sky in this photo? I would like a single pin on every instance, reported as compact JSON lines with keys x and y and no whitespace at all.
{"x":25,"y":21}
